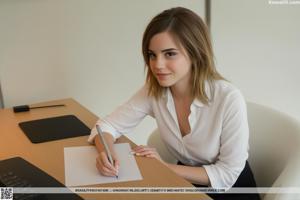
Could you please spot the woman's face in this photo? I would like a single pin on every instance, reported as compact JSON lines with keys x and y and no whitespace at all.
{"x":169,"y":62}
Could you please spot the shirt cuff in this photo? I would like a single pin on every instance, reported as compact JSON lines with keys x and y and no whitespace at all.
{"x":92,"y":135}
{"x":105,"y":127}
{"x":212,"y":178}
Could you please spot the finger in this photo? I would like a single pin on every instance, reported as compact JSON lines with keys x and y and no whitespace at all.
{"x":138,"y":147}
{"x":104,"y":171}
{"x":105,"y":167}
{"x":108,"y":172}
{"x":145,"y":150}
{"x":141,"y":148}
{"x":151,"y":156}
{"x":104,"y":160}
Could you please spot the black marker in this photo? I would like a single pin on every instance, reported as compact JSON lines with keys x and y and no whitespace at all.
{"x":25,"y":108}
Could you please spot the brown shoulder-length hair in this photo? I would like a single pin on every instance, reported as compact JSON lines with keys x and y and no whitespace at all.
{"x":188,"y":30}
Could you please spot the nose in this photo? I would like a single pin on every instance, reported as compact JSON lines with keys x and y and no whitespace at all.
{"x":158,"y":63}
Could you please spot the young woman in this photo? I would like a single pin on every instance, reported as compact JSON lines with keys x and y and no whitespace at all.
{"x":201,"y":117}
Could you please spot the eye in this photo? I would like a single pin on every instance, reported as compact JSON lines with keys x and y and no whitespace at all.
{"x":151,"y":55}
{"x":170,"y":54}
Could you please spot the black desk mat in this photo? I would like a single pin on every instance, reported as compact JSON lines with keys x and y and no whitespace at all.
{"x":54,"y":128}
{"x":23,"y":171}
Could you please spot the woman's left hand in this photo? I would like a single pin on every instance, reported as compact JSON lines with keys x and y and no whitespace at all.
{"x":148,"y":152}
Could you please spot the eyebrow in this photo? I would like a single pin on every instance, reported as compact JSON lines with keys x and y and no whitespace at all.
{"x":165,"y":50}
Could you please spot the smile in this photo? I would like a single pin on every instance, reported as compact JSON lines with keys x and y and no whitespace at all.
{"x":162,"y":75}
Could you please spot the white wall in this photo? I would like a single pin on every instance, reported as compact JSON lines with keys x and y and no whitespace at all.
{"x":257,"y":47}
{"x":31,"y":53}
{"x":89,"y":50}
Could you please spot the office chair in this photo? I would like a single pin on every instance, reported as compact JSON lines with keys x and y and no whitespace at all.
{"x":274,"y":152}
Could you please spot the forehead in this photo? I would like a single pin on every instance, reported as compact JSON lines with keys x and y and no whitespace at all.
{"x":164,"y":40}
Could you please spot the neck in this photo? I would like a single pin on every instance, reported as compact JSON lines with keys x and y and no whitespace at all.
{"x":181,"y":93}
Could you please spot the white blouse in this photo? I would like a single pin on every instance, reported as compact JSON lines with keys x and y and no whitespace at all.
{"x":219,"y":135}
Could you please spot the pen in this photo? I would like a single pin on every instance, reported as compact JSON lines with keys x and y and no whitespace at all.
{"x":108,"y":153}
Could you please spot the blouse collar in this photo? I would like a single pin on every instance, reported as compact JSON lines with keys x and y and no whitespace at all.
{"x":169,"y":98}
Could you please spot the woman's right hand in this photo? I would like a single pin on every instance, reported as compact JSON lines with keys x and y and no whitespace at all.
{"x":105,"y":167}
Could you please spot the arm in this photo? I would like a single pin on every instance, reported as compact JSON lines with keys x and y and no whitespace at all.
{"x":233,"y":152}
{"x":102,"y":162}
{"x":195,"y":175}
{"x":121,"y":121}
{"x":108,"y":138}
{"x":125,"y":117}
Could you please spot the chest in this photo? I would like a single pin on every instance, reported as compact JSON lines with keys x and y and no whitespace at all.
{"x":183,"y":111}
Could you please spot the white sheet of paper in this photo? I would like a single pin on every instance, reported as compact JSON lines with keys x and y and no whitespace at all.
{"x":80,"y":166}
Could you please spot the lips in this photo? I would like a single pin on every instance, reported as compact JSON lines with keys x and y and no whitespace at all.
{"x":162,"y":75}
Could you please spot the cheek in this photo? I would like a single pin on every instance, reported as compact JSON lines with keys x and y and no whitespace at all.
{"x":181,"y":66}
{"x":151,"y":65}
{"x":186,"y":65}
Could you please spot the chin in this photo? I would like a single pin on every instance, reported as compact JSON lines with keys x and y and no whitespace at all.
{"x":165,"y":84}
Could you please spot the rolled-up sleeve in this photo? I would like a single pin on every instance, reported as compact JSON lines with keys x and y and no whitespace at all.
{"x":126,"y":117}
{"x":234,"y":143}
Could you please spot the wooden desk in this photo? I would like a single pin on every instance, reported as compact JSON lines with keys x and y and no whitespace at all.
{"x":49,"y":156}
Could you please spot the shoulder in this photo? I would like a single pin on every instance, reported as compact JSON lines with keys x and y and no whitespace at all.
{"x":141,"y":96}
{"x":225,"y":87}
{"x":142,"y":91}
{"x":224,"y":91}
